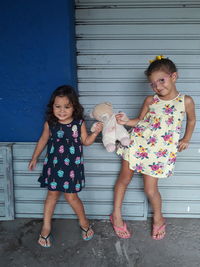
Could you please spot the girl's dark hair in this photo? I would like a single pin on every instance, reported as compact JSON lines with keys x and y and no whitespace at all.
{"x":69,"y":92}
{"x":163,"y":64}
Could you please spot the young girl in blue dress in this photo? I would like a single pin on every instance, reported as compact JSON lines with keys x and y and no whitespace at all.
{"x":63,"y":171}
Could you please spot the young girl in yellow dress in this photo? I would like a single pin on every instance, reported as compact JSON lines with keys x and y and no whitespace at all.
{"x":155,"y":142}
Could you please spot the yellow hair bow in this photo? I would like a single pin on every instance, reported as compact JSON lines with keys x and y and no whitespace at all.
{"x":157,"y":58}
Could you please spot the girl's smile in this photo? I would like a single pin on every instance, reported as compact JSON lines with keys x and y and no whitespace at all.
{"x":63,"y":109}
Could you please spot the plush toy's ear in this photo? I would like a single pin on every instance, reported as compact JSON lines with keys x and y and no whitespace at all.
{"x":108,"y":103}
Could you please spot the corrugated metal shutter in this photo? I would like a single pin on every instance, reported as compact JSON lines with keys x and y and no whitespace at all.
{"x":6,"y":183}
{"x":97,"y":196}
{"x":115,"y":40}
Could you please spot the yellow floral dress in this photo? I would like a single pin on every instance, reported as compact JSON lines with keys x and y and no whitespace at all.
{"x":155,"y":138}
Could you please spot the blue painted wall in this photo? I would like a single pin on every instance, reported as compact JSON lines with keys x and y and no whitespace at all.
{"x":37,"y":54}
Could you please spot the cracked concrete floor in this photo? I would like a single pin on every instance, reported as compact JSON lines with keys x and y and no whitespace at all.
{"x":181,"y":247}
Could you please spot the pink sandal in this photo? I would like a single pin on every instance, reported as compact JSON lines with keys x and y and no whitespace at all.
{"x":159,"y":232}
{"x":121,"y":232}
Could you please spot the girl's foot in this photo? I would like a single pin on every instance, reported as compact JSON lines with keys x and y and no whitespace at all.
{"x":44,"y":239}
{"x":87,"y":232}
{"x":122,"y":231}
{"x":159,"y":230}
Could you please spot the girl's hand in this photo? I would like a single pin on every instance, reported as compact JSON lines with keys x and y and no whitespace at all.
{"x":32,"y":164}
{"x":98,"y":128}
{"x":183,"y":144}
{"x":121,"y":118}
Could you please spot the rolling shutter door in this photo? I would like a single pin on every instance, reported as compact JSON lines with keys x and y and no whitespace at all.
{"x":115,"y":40}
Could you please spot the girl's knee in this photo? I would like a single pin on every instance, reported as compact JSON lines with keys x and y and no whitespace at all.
{"x":53,"y":196}
{"x":125,"y":177}
{"x":71,"y":197}
{"x":150,"y":186}
{"x":125,"y":180}
{"x":150,"y":192}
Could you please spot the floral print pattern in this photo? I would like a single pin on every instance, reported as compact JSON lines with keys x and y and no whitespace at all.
{"x":154,"y":139}
{"x":142,"y":153}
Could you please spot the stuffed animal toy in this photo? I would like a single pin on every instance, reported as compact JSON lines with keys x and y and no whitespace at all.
{"x":112,"y":131}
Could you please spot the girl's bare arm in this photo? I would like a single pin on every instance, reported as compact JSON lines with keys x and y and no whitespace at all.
{"x":143,"y":112}
{"x":40,"y":146}
{"x":190,"y":124}
{"x":88,"y":139}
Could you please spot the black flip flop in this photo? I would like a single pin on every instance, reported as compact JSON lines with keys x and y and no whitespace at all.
{"x":46,"y":240}
{"x":87,"y":238}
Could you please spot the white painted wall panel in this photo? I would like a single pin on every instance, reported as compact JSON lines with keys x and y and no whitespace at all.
{"x":6,"y":183}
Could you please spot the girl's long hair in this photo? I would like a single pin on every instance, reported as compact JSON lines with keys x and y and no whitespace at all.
{"x":69,"y":92}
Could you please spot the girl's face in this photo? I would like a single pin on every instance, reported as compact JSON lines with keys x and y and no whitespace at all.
{"x":163,"y":84}
{"x":63,"y":109}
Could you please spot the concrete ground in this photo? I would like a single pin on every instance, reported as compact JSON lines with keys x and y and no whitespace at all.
{"x":19,"y":248}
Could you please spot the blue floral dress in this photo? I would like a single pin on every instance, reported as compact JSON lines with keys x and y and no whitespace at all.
{"x":155,"y":138}
{"x":63,"y":168}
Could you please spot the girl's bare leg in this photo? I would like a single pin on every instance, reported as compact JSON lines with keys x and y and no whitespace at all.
{"x":123,"y":180}
{"x":49,"y":206}
{"x":77,"y":206}
{"x":151,"y":190}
